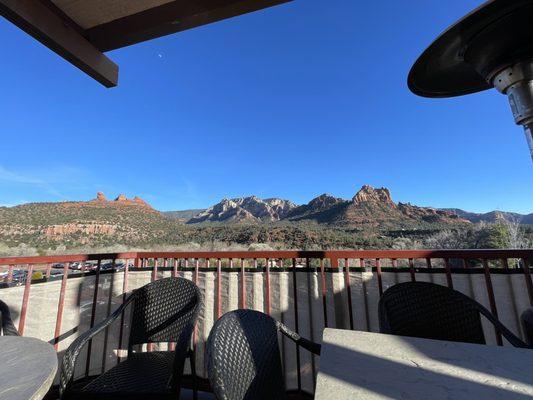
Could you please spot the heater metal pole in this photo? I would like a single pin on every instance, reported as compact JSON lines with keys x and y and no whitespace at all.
{"x":529,"y":137}
{"x":517,"y":83}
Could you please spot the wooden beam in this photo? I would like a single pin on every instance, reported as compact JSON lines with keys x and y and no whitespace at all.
{"x":170,"y":18}
{"x":50,"y":29}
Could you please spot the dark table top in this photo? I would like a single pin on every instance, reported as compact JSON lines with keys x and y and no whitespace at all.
{"x":27,"y":368}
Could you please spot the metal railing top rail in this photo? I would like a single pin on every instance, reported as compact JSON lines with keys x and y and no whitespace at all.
{"x":489,"y":254}
{"x":65,"y":258}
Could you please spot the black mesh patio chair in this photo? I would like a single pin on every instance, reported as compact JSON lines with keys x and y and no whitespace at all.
{"x":430,"y":311}
{"x":163,"y":311}
{"x":7,"y":328}
{"x":243,"y":357}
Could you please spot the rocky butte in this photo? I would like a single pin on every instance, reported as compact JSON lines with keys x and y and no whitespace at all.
{"x":119,"y":200}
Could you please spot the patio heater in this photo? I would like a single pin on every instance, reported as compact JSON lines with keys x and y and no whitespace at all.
{"x":492,"y":47}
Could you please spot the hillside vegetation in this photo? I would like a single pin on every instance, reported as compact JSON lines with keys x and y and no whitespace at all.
{"x":369,"y":220}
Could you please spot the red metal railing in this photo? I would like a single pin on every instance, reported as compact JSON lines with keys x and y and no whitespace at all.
{"x":33,"y":270}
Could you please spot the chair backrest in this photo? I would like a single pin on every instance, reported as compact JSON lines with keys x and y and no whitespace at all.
{"x":7,"y":328}
{"x":243,"y":357}
{"x":165,"y":311}
{"x":427,"y":310}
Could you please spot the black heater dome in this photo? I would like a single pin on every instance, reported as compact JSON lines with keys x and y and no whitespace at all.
{"x":490,"y":47}
{"x":467,"y":56}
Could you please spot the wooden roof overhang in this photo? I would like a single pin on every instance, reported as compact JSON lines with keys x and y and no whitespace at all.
{"x":80,"y":31}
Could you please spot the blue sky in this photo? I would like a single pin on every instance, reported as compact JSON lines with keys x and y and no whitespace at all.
{"x":293,"y":101}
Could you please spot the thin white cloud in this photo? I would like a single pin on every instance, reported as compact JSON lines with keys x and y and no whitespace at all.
{"x":10,"y":176}
{"x":47,"y":179}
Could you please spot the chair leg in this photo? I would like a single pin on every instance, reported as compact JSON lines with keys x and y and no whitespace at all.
{"x":193,"y":374}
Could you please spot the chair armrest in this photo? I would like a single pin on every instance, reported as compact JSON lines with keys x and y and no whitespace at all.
{"x":313,"y":347}
{"x":506,"y":333}
{"x":7,"y":327}
{"x":72,"y":352}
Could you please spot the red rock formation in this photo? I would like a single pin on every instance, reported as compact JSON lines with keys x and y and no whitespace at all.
{"x":368,"y":194}
{"x":55,"y":231}
{"x":121,"y":198}
{"x":138,"y":200}
{"x":100,"y":197}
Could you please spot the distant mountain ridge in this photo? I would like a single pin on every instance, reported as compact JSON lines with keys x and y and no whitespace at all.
{"x":369,"y":206}
{"x":493,"y":216}
{"x":183,"y":216}
{"x":245,"y":209}
{"x":374,"y":208}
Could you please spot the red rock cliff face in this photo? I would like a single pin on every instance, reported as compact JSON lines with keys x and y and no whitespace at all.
{"x":55,"y":231}
{"x":367,"y":194}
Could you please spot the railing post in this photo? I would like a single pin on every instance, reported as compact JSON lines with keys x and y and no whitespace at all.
{"x":61,"y":305}
{"x":243,"y":285}
{"x":324,"y":292}
{"x":219,"y":288}
{"x":25,"y":299}
{"x":10,"y":273}
{"x":154,"y":271}
{"x":267,"y":282}
{"x":527,"y":277}
{"x":412,"y":270}
{"x":93,"y":316}
{"x":296,"y":322}
{"x":108,"y":312}
{"x":348,"y":290}
{"x":124,"y":295}
{"x":492,"y":300}
{"x":448,"y":273}
{"x":380,"y":281}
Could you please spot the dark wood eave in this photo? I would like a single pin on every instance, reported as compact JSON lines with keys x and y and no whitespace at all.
{"x":84,"y":48}
{"x":169,"y":18}
{"x":43,"y":24}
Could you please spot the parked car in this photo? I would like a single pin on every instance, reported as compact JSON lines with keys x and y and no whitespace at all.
{"x":90,"y":265}
{"x":19,"y":276}
{"x":75,"y":266}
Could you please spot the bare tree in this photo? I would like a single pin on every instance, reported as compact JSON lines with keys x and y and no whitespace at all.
{"x":517,"y":236}
{"x":446,"y":239}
